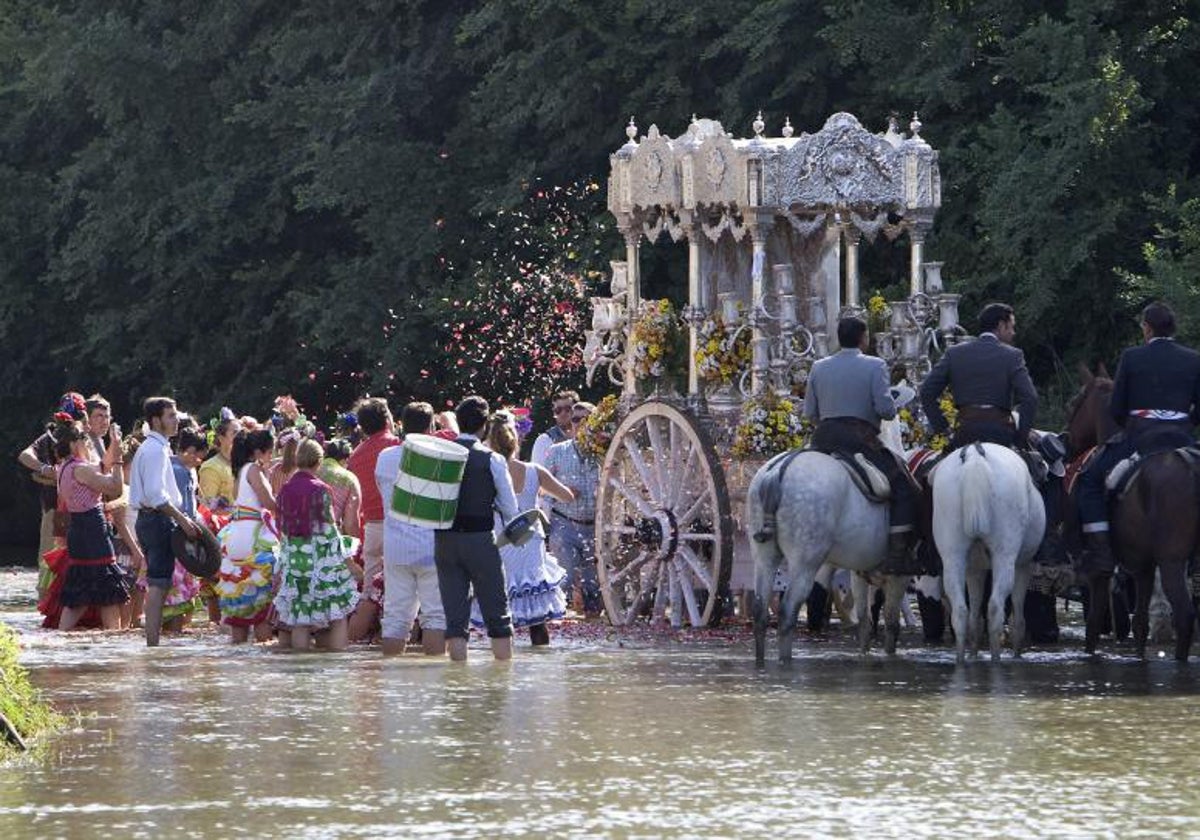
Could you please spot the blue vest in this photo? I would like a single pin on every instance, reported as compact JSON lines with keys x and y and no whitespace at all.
{"x":477,"y":495}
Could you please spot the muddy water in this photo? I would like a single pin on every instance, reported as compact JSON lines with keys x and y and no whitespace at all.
{"x":603,"y":736}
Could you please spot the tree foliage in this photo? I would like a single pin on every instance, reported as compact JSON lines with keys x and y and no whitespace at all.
{"x":226,"y":200}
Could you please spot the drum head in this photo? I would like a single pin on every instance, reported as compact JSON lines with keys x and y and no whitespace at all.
{"x":202,"y":556}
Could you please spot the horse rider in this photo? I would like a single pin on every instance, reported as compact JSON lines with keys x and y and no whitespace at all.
{"x":847,"y":397}
{"x":1156,"y":402}
{"x":986,"y":378}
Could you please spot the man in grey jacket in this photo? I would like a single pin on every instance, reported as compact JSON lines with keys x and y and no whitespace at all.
{"x":987,"y":378}
{"x":848,"y":395}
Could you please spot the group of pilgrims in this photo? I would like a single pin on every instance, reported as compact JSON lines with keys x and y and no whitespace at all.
{"x":289,"y":531}
{"x":310,"y":554}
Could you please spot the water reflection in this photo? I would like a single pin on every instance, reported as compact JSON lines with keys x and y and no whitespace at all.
{"x":683,"y":740}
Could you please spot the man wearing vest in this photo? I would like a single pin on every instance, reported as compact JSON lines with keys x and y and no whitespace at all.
{"x":466,"y":555}
{"x":1156,"y":401}
{"x":847,"y":397}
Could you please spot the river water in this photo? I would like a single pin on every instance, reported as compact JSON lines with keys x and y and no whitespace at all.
{"x":606,"y":735}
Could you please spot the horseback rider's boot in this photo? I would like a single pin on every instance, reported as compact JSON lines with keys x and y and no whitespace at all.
{"x":900,"y":560}
{"x":1098,"y":555}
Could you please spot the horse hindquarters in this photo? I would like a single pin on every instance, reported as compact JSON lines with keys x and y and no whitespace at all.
{"x":1157,"y":526}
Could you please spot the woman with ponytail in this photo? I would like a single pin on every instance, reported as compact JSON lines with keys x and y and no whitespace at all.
{"x":250,"y":541}
{"x":91,"y":577}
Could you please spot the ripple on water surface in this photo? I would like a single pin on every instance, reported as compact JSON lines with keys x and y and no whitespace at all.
{"x":592,"y":738}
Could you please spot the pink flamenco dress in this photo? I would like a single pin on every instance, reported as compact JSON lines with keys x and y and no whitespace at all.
{"x":249,"y":547}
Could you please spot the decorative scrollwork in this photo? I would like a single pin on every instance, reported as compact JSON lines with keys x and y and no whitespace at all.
{"x":666,"y":219}
{"x":730,"y":221}
{"x":807,"y":227}
{"x":870,"y":227}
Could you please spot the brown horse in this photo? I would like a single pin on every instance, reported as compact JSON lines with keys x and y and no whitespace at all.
{"x":1154,"y":524}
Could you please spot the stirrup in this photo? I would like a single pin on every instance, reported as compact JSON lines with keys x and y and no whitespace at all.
{"x":767,"y":532}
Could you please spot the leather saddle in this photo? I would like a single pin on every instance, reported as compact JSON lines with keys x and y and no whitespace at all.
{"x":867,"y":477}
{"x":1120,"y":478}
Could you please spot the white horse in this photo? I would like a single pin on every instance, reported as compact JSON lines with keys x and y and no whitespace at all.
{"x":987,"y":513}
{"x":822,"y":517}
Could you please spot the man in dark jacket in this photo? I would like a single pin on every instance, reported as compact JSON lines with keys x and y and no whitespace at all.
{"x":466,"y":555}
{"x":1156,"y":402}
{"x":987,"y":377}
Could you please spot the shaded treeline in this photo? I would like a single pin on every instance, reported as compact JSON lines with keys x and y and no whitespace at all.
{"x":229,"y":200}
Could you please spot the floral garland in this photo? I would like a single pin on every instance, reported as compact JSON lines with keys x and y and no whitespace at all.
{"x":596,"y":432}
{"x":656,"y":341}
{"x":769,"y":425}
{"x":914,"y":435}
{"x":722,"y":350}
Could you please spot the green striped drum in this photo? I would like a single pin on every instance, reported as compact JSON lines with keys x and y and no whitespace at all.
{"x":426,"y":488}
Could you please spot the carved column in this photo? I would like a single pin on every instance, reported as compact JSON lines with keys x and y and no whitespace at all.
{"x":852,"y":237}
{"x":760,"y":344}
{"x":695,"y":312}
{"x":831,"y":273}
{"x":916,"y":238}
{"x":631,"y":229}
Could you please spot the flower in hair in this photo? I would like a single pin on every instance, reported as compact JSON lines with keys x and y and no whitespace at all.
{"x":63,"y":417}
{"x":522,"y":420}
{"x":73,"y":403}
{"x":286,"y":406}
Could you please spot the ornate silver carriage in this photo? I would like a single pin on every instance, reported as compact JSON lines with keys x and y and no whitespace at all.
{"x":773,"y":228}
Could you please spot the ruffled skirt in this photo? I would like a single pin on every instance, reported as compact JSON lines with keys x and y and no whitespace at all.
{"x":245,"y":584}
{"x":93,"y":578}
{"x":534,"y":581}
{"x":315,"y":584}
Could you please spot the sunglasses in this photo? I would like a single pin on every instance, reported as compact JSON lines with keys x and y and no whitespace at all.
{"x":578,"y":418}
{"x":562,"y":409}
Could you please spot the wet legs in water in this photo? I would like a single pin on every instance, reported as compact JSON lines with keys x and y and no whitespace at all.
{"x":110,"y":617}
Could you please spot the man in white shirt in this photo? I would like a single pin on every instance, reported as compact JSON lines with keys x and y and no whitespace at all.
{"x":410,"y":578}
{"x":154,"y":494}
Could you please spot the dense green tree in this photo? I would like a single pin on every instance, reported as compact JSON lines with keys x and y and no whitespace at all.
{"x":231,"y":200}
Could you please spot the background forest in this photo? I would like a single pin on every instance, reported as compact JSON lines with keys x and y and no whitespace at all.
{"x":231,"y":200}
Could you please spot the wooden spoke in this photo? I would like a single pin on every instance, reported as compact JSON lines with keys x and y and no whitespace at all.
{"x":696,"y":566}
{"x":686,"y":518}
{"x":680,"y":482}
{"x":689,"y":598}
{"x":673,"y":464}
{"x":635,"y":500}
{"x":661,"y":592}
{"x":625,"y":571}
{"x":654,"y":433}
{"x":639,"y":463}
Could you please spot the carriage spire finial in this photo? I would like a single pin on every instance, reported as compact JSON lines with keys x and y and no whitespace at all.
{"x":758,"y":125}
{"x":631,"y":130}
{"x":788,"y":131}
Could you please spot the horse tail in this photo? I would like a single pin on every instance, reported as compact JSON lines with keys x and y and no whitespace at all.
{"x":976,"y":493}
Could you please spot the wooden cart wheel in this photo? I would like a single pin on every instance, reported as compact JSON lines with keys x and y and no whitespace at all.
{"x":664,"y":533}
